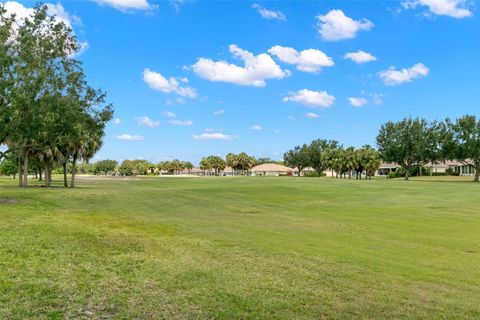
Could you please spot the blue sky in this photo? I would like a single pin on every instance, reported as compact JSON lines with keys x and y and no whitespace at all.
{"x":193,"y":78}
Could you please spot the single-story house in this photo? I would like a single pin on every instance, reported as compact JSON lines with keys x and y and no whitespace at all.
{"x":271,"y":169}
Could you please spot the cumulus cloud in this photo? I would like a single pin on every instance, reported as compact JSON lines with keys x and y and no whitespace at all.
{"x":453,"y":8}
{"x":256,"y":127}
{"x":180,"y":122}
{"x":357,"y":102}
{"x":269,"y":14}
{"x":393,"y":77}
{"x":360,"y":56}
{"x":213,"y":136}
{"x":335,"y":25}
{"x":309,"y":60}
{"x":218,"y":112}
{"x":256,"y":70}
{"x":311,"y":115}
{"x":126,"y":5}
{"x":171,"y":85}
{"x":61,"y":15}
{"x":57,"y":10}
{"x":116,"y":121}
{"x":129,"y":137}
{"x":146,"y":121}
{"x":310,"y":98}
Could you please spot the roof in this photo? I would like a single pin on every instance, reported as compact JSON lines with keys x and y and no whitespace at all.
{"x":271,"y":167}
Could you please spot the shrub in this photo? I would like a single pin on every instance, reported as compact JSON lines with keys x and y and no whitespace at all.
{"x":392,"y":175}
{"x":439,"y":174}
{"x":414,"y":171}
{"x":451,"y":172}
{"x":313,"y":174}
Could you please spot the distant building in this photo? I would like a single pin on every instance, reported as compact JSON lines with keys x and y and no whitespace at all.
{"x":271,"y":169}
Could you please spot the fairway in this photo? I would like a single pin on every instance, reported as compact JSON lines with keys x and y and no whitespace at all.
{"x":241,"y":248}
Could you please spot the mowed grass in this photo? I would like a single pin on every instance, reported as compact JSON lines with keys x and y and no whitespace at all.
{"x":241,"y":248}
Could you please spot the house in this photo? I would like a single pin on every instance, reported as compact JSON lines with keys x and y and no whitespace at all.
{"x":271,"y":169}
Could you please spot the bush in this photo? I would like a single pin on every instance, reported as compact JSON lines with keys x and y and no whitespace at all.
{"x":312,"y":174}
{"x":451,"y":172}
{"x":392,"y":175}
{"x":414,"y":171}
{"x":439,"y":174}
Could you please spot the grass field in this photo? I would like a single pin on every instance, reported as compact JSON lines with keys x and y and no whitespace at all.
{"x":241,"y":248}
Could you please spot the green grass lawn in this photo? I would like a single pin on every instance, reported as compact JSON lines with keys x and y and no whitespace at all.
{"x":241,"y":248}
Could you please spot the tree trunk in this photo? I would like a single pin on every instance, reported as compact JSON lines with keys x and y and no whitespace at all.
{"x":20,"y":176}
{"x":25,"y":170}
{"x":74,"y":169}
{"x":65,"y":182}
{"x":47,"y":183}
{"x":407,"y":173}
{"x":420,"y":173}
{"x":40,"y":174}
{"x":477,"y":172}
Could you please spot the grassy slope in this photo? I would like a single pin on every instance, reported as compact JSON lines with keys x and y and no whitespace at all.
{"x":241,"y":248}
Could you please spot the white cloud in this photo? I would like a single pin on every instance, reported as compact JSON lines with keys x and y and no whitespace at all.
{"x":57,"y":10}
{"x":291,"y":118}
{"x":255,"y":71}
{"x":180,"y":122}
{"x":219,"y":112}
{"x":169,"y":114}
{"x":125,"y":5}
{"x":335,"y":25}
{"x":310,"y":60}
{"x":309,"y":98}
{"x":276,"y":131}
{"x":452,"y":8}
{"x":256,"y":127}
{"x":360,"y":56}
{"x":357,"y":102}
{"x":393,"y":77}
{"x":213,"y":136}
{"x":171,"y":85}
{"x":146,"y":121}
{"x":269,"y":14}
{"x":117,"y":121}
{"x":21,"y":12}
{"x":129,"y":137}
{"x":311,"y":115}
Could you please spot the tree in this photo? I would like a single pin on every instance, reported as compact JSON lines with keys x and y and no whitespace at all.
{"x":463,"y":142}
{"x":317,"y":156}
{"x":213,"y":162}
{"x":240,"y":162}
{"x":126,"y":168}
{"x":105,"y":166}
{"x":8,"y":167}
{"x":350,"y":160}
{"x":410,"y":142}
{"x":298,"y":157}
{"x":47,"y":109}
{"x":370,"y":159}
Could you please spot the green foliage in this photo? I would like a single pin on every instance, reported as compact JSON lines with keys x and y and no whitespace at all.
{"x":241,"y":162}
{"x":214,"y":163}
{"x":410,"y":142}
{"x":105,"y":166}
{"x":462,"y":141}
{"x":298,"y":157}
{"x":8,"y":167}
{"x":49,"y":113}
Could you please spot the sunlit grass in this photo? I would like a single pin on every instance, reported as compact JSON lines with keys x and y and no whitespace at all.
{"x":241,"y":248}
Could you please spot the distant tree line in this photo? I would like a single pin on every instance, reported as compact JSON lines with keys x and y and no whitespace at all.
{"x":415,"y":142}
{"x":49,"y":115}
{"x":322,"y":155}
